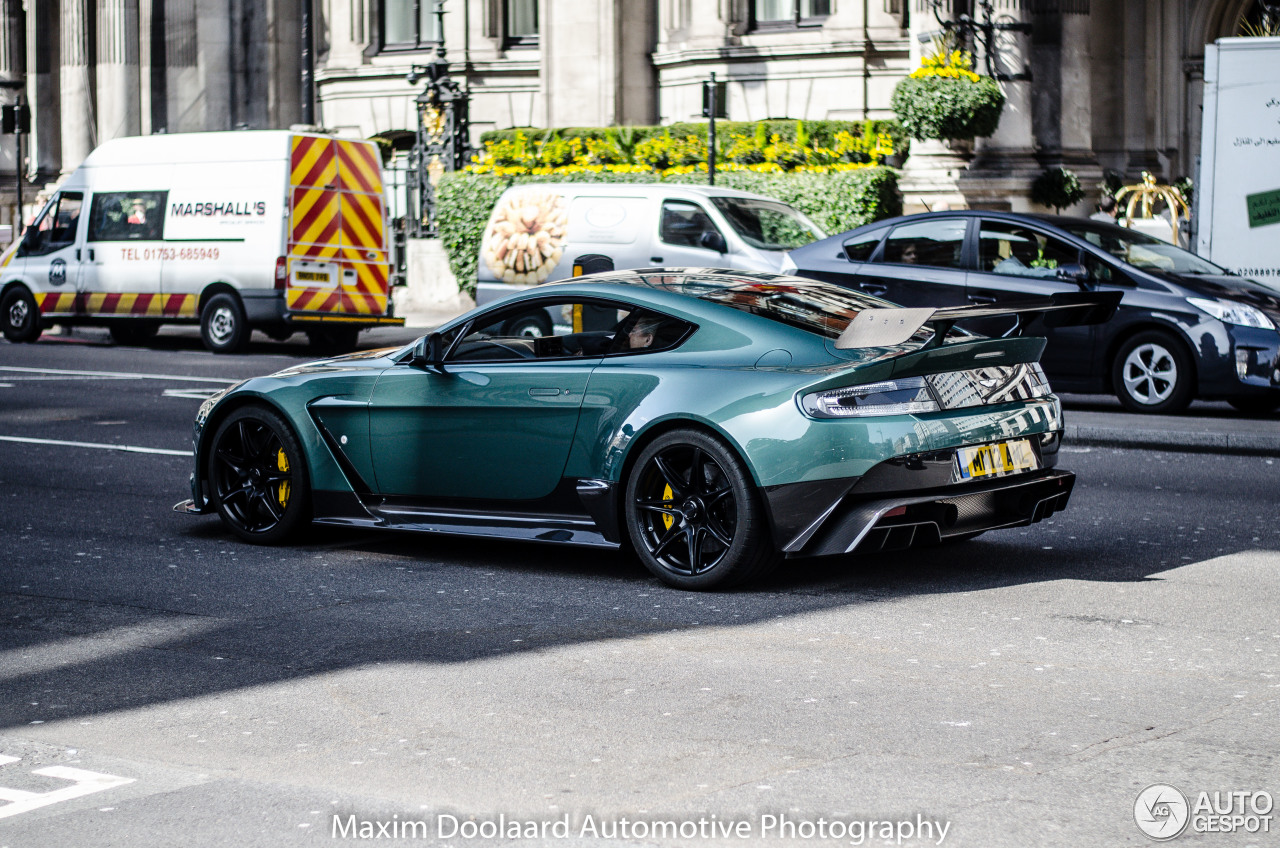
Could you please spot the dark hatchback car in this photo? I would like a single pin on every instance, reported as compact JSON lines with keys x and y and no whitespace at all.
{"x":1185,"y":328}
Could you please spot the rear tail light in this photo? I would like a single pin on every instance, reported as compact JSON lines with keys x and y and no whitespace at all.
{"x":282,"y":273}
{"x":907,"y":396}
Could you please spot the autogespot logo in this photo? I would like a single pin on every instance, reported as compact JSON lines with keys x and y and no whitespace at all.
{"x":1161,"y":812}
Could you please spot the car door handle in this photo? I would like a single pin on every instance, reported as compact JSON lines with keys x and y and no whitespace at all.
{"x":982,"y":298}
{"x":874,"y":288}
{"x":543,"y":392}
{"x":655,"y":258}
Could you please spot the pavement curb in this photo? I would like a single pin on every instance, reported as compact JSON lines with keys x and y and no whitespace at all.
{"x":1251,"y":444}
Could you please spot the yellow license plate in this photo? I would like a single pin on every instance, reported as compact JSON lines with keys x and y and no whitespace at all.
{"x":996,"y":460}
{"x":311,"y":277}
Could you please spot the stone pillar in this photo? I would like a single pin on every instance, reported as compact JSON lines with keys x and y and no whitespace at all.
{"x":43,"y":86}
{"x":184,"y":100}
{"x":13,"y":66}
{"x":76,"y":103}
{"x":119,"y":89}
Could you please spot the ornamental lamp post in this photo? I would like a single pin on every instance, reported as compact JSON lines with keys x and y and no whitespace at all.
{"x":442,"y":139}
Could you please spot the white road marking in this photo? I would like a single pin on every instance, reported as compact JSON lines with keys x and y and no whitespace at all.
{"x":118,"y":375}
{"x":98,"y":446}
{"x":82,"y":783}
{"x":190,"y":394}
{"x":5,"y":759}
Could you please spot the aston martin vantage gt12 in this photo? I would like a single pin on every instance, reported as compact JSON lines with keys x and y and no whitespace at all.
{"x":715,"y":422}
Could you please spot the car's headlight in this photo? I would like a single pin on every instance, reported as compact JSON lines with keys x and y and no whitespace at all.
{"x":1231,"y":312}
{"x":891,"y":397}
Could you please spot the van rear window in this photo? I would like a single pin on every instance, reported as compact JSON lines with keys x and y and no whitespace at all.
{"x":127,"y":216}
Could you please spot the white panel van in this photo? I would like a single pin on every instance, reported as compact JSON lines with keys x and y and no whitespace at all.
{"x":273,"y":230}
{"x":538,"y":230}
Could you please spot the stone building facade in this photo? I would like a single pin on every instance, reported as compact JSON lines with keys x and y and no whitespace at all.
{"x":1115,"y":84}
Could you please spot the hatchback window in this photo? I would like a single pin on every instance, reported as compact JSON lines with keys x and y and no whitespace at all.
{"x":1016,"y":251}
{"x":937,"y":243}
{"x":860,"y":248}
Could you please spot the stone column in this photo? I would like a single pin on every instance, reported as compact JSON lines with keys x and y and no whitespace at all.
{"x":13,"y":56}
{"x":43,"y":87}
{"x":76,"y":107}
{"x":119,"y":89}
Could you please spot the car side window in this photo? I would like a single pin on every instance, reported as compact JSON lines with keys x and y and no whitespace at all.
{"x":860,"y":248}
{"x":127,"y":216}
{"x":645,"y":331}
{"x":1017,"y":251}
{"x":683,"y":223}
{"x":55,"y":228}
{"x":938,"y":243}
{"x":543,"y":329}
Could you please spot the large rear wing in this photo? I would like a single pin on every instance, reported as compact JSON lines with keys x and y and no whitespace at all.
{"x":894,"y":326}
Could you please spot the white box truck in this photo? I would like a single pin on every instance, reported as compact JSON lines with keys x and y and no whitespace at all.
{"x":1238,"y":196}
{"x":273,"y":230}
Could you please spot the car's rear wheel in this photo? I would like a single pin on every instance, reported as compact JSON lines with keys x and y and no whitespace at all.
{"x":1257,"y":403}
{"x":20,"y":315}
{"x":693,"y":514}
{"x":223,"y":327}
{"x":133,"y":333}
{"x":1152,"y":373}
{"x":258,"y":477}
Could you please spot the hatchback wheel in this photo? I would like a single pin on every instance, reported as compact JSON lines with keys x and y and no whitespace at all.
{"x":258,"y":477}
{"x":694,"y":516}
{"x":1152,"y":373}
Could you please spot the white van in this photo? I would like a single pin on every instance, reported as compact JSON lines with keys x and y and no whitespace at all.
{"x":273,"y":230}
{"x":539,"y":231}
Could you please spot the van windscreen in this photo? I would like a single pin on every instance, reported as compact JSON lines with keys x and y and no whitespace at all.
{"x":767,"y":224}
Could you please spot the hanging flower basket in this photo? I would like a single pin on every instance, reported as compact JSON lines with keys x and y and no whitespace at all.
{"x":944,"y":99}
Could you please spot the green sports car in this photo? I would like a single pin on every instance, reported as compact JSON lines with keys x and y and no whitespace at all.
{"x":715,"y":422}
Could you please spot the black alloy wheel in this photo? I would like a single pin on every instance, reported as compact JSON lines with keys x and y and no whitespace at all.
{"x":693,"y":514}
{"x":257,"y":476}
{"x":20,"y":316}
{"x":223,"y":327}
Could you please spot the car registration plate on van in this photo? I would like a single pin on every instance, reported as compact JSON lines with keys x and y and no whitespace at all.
{"x":312,"y":277}
{"x":996,"y":460}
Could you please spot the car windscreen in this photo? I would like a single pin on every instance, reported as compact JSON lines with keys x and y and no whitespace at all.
{"x":766,"y":224}
{"x":820,"y":309}
{"x":1141,"y":250}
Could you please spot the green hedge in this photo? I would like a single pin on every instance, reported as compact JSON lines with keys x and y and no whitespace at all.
{"x":836,"y":202}
{"x":942,"y":108}
{"x":820,"y":133}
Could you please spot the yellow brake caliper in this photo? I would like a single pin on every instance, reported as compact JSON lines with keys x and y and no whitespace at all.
{"x":667,"y":496}
{"x":282,"y":464}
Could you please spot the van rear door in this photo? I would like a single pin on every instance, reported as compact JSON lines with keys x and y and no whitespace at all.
{"x":337,"y":266}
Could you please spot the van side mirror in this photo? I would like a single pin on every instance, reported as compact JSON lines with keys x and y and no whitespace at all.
{"x":713,"y":241}
{"x":428,"y":352}
{"x":1074,"y":272}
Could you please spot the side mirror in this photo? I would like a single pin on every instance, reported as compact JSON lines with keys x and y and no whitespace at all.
{"x":428,"y":352}
{"x":713,"y":241}
{"x":1073,"y":272}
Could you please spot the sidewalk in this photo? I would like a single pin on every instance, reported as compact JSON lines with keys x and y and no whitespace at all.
{"x":1204,"y":428}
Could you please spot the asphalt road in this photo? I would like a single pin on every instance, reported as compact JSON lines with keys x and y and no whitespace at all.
{"x":1021,"y":689}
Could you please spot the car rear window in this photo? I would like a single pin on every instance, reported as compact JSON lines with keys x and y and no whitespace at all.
{"x":820,"y":309}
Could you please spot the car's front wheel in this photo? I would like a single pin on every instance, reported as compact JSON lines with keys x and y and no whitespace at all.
{"x":1152,"y":373}
{"x":257,"y":476}
{"x":693,"y":513}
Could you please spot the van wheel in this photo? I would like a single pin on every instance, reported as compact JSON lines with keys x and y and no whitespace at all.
{"x":331,"y":341}
{"x":134,"y":333}
{"x":222,"y":324}
{"x":20,"y":316}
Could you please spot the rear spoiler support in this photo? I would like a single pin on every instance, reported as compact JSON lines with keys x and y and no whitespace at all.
{"x":894,"y":326}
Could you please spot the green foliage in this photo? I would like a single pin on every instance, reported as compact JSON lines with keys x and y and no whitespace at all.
{"x":1057,"y":188}
{"x":943,"y":108}
{"x":664,"y":151}
{"x":1187,"y":188}
{"x":836,"y":202}
{"x":819,"y":133}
